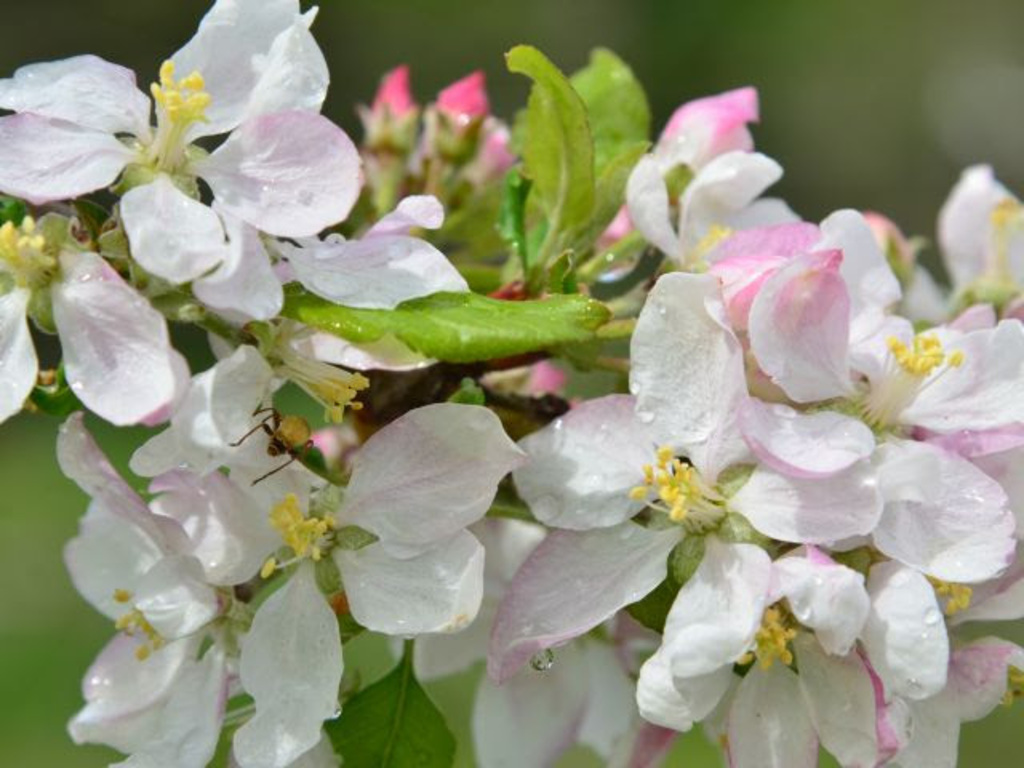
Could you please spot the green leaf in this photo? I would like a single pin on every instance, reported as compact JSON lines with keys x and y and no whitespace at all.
{"x":468,"y":393}
{"x":512,"y":215}
{"x":12,"y":210}
{"x":458,"y":327}
{"x":683,"y":561}
{"x":393,"y":724}
{"x":610,"y":194}
{"x":616,"y":106}
{"x":558,"y":149}
{"x":55,"y":398}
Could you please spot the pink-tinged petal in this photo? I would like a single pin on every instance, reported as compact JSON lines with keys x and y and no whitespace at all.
{"x":117,"y":685}
{"x":294,"y":76}
{"x":231,"y":49}
{"x":582,"y":466}
{"x":975,"y":318}
{"x":437,"y":591}
{"x":171,"y":234}
{"x":85,"y":90}
{"x":905,"y":637}
{"x":744,"y":260}
{"x":870,"y":281}
{"x":43,"y":160}
{"x":965,"y":226}
{"x":800,"y":325}
{"x":495,"y":155}
{"x":465,"y":99}
{"x":716,"y":614}
{"x":840,"y":699}
{"x":226,"y":528}
{"x":943,"y":515}
{"x":815,"y":511}
{"x":977,"y":445}
{"x":977,"y":675}
{"x":117,"y":351}
{"x":621,"y":226}
{"x":289,"y":174}
{"x":983,"y":392}
{"x":571,"y":583}
{"x":549,"y":706}
{"x":650,"y":745}
{"x":394,"y":93}
{"x":244,"y":286}
{"x":18,"y":362}
{"x":827,"y":597}
{"x":720,"y":191}
{"x":714,"y":124}
{"x":806,"y":445}
{"x":648,"y":205}
{"x":769,"y":726}
{"x":175,"y":598}
{"x":611,"y":710}
{"x":678,"y":706}
{"x":291,"y":665}
{"x":189,"y":723}
{"x":546,"y":378}
{"x":428,"y":474}
{"x":892,"y":718}
{"x":687,"y":371}
{"x":378,"y":272}
{"x":423,"y":211}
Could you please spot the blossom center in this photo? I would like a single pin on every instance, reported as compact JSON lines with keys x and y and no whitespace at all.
{"x":676,"y":488}
{"x":23,"y":254}
{"x":334,"y":388}
{"x":958,"y":596}
{"x":134,"y":623}
{"x":307,"y":537}
{"x":181,"y":104}
{"x":910,"y":369}
{"x":1014,"y":686}
{"x":771,"y":643}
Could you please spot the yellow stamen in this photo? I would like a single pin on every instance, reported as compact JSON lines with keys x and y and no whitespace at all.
{"x":23,"y":255}
{"x":184,"y":101}
{"x":302,"y":534}
{"x":1014,"y":686}
{"x":772,"y":641}
{"x":678,"y":490}
{"x":134,"y":623}
{"x":122,"y":595}
{"x":714,"y":236}
{"x":924,"y":356}
{"x":958,"y":596}
{"x":268,"y":568}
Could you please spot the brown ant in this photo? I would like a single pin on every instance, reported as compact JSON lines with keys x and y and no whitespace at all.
{"x":289,"y":435}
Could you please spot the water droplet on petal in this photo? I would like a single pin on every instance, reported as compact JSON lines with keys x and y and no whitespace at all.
{"x":543,"y":661}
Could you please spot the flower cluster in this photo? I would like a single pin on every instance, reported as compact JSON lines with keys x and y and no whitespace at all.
{"x":777,"y":517}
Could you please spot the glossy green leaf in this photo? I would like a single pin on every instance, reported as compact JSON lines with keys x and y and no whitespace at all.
{"x":393,"y":724}
{"x":512,"y":216}
{"x":12,"y":210}
{"x":558,"y":149}
{"x":610,"y":194}
{"x":458,"y":327}
{"x":616,"y":105}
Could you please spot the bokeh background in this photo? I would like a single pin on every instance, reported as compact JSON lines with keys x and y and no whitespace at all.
{"x":868,"y":104}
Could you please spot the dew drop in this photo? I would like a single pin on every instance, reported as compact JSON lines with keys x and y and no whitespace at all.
{"x":543,"y":661}
{"x":931,"y":618}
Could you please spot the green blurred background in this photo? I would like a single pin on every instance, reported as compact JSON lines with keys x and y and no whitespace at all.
{"x":869,"y":104}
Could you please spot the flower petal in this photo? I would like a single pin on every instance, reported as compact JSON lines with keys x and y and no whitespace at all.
{"x":815,"y":511}
{"x":428,"y":474}
{"x":799,"y":328}
{"x":84,"y":90}
{"x":291,"y":665}
{"x":978,"y":675}
{"x":904,"y":636}
{"x":713,"y":125}
{"x":423,"y":211}
{"x":172,"y":235}
{"x":687,"y":371}
{"x":571,"y":583}
{"x":610,"y":708}
{"x":437,"y":591}
{"x":117,"y":352}
{"x":840,"y":699}
{"x":805,"y":445}
{"x":827,"y":597}
{"x":18,"y":362}
{"x":582,"y":466}
{"x":244,"y":286}
{"x":289,"y":174}
{"x":664,"y":703}
{"x":175,"y":598}
{"x":716,"y":614}
{"x":647,"y":199}
{"x":377,"y":272}
{"x":769,"y":726}
{"x":232,"y":51}
{"x":943,"y":515}
{"x":43,"y":160}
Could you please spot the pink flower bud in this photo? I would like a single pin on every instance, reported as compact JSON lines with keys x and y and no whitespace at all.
{"x":890,"y":239}
{"x":715,"y":124}
{"x":465,"y":99}
{"x":394,"y":94}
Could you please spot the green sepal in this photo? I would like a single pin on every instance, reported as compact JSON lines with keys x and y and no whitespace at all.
{"x":683,"y":561}
{"x":469,"y":393}
{"x":56,"y":399}
{"x":393,"y":724}
{"x":457,"y":327}
{"x":92,"y":216}
{"x":12,"y":210}
{"x":352,"y":537}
